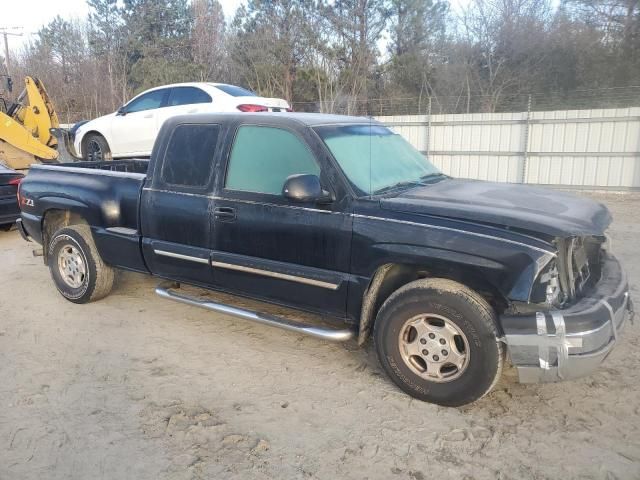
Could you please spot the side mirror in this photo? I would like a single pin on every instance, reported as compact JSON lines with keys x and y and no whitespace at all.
{"x":9,"y":84}
{"x":121,"y":111}
{"x":305,"y":188}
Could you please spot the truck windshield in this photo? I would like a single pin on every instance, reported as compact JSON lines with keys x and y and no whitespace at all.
{"x":375,"y":159}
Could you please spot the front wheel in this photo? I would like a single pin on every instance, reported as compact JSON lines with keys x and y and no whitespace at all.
{"x":438,"y":341}
{"x":76,"y":267}
{"x":96,"y":148}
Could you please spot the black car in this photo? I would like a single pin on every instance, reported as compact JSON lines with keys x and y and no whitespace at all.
{"x":342,"y":217}
{"x":9,"y":208}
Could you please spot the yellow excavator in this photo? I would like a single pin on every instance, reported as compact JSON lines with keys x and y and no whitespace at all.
{"x":29,"y":128}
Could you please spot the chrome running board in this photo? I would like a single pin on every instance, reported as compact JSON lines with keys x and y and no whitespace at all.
{"x":167,"y":290}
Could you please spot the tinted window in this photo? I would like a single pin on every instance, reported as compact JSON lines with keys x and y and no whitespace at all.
{"x":236,"y":91}
{"x":263,"y":157}
{"x":189,"y":156}
{"x":148,"y":101}
{"x":187,"y":96}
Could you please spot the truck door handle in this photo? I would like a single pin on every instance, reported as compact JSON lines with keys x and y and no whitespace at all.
{"x":149,"y":115}
{"x":224,"y":213}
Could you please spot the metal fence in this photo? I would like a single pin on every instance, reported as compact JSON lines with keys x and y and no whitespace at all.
{"x":613,"y":97}
{"x":588,"y":149}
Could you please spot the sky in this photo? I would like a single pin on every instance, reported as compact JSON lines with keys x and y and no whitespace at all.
{"x":31,"y":15}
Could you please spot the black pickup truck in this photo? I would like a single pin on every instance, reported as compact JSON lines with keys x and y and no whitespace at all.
{"x":340,"y":216}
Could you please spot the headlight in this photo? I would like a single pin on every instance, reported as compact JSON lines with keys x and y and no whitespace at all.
{"x":553,"y":291}
{"x":549,"y":278}
{"x":547,"y":288}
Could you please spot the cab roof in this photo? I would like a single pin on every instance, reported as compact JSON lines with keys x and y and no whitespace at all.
{"x":275,"y":118}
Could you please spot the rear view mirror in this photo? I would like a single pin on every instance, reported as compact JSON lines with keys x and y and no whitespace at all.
{"x":305,"y":188}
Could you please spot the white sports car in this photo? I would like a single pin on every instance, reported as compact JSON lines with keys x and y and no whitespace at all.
{"x":132,"y":130}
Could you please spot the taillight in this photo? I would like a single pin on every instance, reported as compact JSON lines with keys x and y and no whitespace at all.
{"x":252,"y":108}
{"x":16,"y":182}
{"x":289,"y":109}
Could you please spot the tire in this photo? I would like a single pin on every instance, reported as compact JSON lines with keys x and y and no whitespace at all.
{"x":439,"y":307}
{"x":76,"y":267}
{"x":95,"y":148}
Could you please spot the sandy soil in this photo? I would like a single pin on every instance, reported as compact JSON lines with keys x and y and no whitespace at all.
{"x":139,"y":387}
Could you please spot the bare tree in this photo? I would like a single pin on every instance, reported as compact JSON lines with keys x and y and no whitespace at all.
{"x":505,"y":42}
{"x":208,"y":37}
{"x":326,"y":55}
{"x":356,"y":27}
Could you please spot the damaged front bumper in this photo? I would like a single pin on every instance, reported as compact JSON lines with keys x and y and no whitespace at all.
{"x":554,"y":345}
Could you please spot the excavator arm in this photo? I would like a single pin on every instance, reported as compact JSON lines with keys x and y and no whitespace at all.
{"x":25,"y":129}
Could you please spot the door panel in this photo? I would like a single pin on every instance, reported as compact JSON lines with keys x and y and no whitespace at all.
{"x":133,"y":132}
{"x":184,"y":100}
{"x":136,"y":130}
{"x":284,"y":254}
{"x":176,"y":207}
{"x":281,"y":270}
{"x":269,"y":247}
{"x":176,"y":241}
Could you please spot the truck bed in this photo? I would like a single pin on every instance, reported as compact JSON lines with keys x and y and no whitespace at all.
{"x":129,"y":165}
{"x":106,"y":194}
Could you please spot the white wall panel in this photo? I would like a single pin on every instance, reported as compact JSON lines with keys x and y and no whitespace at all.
{"x":582,"y":148}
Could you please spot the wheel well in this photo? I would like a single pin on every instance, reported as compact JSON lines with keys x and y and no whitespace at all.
{"x":84,"y":139}
{"x":390,"y":277}
{"x":55,"y":219}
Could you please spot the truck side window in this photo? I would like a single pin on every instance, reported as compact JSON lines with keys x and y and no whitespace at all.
{"x":189,"y":156}
{"x":263,"y":157}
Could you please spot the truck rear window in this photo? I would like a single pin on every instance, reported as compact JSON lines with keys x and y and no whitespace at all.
{"x":189,"y":155}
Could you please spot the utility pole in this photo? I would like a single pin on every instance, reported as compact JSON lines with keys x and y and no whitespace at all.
{"x":6,"y":31}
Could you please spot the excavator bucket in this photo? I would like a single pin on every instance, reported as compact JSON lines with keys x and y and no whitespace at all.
{"x":66,"y":151}
{"x":18,"y":136}
{"x":27,"y":129}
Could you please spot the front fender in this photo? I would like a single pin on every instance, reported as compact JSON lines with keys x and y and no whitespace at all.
{"x":101,"y":126}
{"x":77,"y":142}
{"x":507,"y":260}
{"x":512,"y":274}
{"x":510,"y":281}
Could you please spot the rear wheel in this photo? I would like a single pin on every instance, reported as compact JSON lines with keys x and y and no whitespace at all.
{"x":438,"y":341}
{"x":96,"y":148}
{"x":76,"y":267}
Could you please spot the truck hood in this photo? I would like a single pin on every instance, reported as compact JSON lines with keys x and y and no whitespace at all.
{"x":540,"y":210}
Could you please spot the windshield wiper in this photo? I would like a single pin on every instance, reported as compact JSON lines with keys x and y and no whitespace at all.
{"x":395,"y":186}
{"x":429,"y":176}
{"x":410,"y":183}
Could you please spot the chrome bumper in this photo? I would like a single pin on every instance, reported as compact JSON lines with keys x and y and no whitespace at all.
{"x":555,"y":345}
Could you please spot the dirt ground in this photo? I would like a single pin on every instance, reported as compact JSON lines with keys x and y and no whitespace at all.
{"x":137,"y":387}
